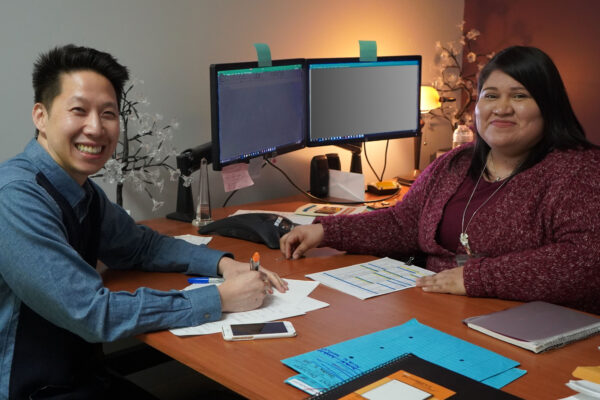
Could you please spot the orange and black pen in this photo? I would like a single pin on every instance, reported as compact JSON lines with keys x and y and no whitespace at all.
{"x":255,"y":261}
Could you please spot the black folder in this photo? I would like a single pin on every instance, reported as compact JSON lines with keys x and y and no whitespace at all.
{"x":465,"y":388}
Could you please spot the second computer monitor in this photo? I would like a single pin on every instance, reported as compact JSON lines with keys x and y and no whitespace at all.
{"x":351,"y":101}
{"x":257,"y":111}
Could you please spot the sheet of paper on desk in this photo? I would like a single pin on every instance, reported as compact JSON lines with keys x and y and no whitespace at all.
{"x":195,"y":239}
{"x":331,"y":365}
{"x":295,"y":218}
{"x":371,"y":279}
{"x":276,"y":306}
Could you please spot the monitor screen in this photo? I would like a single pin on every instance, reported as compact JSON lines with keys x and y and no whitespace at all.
{"x":257,"y":111}
{"x":353,"y":101}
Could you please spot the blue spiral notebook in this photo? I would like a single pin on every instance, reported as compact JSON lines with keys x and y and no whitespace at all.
{"x":329,"y":366}
{"x":425,"y":380}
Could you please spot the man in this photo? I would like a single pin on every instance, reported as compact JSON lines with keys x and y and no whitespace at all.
{"x":55,"y":224}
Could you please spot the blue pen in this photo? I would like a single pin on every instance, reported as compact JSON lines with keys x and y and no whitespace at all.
{"x":205,"y":280}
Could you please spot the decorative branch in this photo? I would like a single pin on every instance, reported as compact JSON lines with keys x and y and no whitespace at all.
{"x":454,"y":82}
{"x":141,"y":154}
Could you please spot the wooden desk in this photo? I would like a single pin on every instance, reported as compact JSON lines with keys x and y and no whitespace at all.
{"x":253,"y":368}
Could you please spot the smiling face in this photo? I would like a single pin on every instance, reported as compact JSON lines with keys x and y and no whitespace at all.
{"x":508,"y":118}
{"x":81,"y":129}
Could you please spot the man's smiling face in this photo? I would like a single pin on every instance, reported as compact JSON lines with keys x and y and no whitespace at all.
{"x":80,"y":131}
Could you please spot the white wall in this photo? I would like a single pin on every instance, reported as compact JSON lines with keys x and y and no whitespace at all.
{"x":170,"y":44}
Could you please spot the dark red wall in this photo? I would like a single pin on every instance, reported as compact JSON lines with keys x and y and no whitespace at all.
{"x":568,"y":30}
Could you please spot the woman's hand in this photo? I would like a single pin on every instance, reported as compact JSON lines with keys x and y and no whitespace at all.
{"x":300,"y":239}
{"x":447,"y":281}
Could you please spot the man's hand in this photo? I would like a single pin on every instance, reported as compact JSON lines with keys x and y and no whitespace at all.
{"x":244,"y":289}
{"x":447,"y":281}
{"x":300,"y":239}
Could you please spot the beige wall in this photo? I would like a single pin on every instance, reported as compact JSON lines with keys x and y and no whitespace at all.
{"x":567,"y":30}
{"x":170,"y":44}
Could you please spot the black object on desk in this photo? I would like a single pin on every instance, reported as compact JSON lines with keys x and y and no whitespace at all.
{"x":264,"y":228}
{"x":188,"y":161}
{"x":319,"y":176}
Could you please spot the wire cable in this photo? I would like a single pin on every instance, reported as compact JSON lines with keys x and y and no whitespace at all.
{"x":387,"y":143}
{"x":228,"y":198}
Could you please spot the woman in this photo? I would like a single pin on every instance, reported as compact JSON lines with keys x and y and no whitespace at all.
{"x":514,"y":215}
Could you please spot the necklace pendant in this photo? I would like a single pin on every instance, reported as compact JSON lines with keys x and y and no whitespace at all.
{"x":464,"y":240}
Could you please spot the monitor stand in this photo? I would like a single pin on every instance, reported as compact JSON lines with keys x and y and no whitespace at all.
{"x":188,"y":161}
{"x":410,"y":178}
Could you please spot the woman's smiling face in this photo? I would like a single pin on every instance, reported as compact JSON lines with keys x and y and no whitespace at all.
{"x":507,"y":116}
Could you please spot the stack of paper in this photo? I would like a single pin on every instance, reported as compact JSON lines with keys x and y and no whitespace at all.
{"x":589,"y":385}
{"x":276,"y":306}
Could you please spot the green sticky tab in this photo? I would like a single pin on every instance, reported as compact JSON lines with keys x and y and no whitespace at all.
{"x":368,"y":50}
{"x":264,"y":54}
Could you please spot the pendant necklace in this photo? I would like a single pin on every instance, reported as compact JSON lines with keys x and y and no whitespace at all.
{"x":498,"y":178}
{"x":464,"y":237}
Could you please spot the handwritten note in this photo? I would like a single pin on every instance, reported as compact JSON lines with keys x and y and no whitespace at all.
{"x":236,"y":176}
{"x":276,"y":306}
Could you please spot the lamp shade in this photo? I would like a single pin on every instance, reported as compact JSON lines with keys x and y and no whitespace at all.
{"x":430,"y":99}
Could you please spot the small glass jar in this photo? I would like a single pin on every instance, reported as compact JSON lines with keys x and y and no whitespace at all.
{"x":462,"y":134}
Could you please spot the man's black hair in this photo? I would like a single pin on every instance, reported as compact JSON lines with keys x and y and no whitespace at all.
{"x":49,"y":67}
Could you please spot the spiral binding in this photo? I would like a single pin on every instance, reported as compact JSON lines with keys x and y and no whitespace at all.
{"x":335,"y":391}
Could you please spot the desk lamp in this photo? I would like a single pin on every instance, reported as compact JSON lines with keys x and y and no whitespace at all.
{"x":430,"y":100}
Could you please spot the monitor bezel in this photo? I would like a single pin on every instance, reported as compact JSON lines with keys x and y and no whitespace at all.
{"x":373,"y":136}
{"x":214,"y":70}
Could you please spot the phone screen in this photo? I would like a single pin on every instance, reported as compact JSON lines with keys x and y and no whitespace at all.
{"x":256,"y":329}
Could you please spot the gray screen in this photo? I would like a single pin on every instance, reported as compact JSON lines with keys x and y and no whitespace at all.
{"x":354,"y":101}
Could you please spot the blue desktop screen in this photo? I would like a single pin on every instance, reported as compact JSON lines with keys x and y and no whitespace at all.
{"x":260,"y":111}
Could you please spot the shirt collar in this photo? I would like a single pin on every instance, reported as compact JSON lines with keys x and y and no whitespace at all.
{"x":77,"y":196}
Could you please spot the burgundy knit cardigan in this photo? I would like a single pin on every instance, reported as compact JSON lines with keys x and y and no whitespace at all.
{"x":541,"y":236}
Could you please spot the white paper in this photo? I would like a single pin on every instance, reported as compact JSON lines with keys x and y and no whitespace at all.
{"x":276,"y":306}
{"x":346,"y":185}
{"x":195,"y":239}
{"x":372,"y":278}
{"x":395,"y":389}
{"x":295,"y":218}
{"x":585,"y":387}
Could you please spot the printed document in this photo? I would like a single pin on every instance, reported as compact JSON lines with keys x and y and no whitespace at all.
{"x":372,"y":278}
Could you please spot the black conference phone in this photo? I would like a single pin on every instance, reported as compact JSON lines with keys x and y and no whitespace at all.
{"x":256,"y":227}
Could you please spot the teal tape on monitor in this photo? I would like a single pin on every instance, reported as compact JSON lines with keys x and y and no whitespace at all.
{"x":368,"y":50}
{"x":264,"y":54}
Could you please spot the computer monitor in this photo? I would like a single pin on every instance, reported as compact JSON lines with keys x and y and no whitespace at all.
{"x":257,"y":111}
{"x":350,"y":101}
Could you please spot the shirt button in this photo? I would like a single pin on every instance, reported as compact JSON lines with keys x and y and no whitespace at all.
{"x":206,"y":315}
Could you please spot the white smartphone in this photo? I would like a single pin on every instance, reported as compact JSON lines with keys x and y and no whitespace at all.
{"x":264,"y":330}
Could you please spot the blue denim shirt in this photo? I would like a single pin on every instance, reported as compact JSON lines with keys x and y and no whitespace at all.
{"x":40,"y":269}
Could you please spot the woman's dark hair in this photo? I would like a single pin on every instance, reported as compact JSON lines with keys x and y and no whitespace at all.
{"x":536,"y":71}
{"x":49,"y":66}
